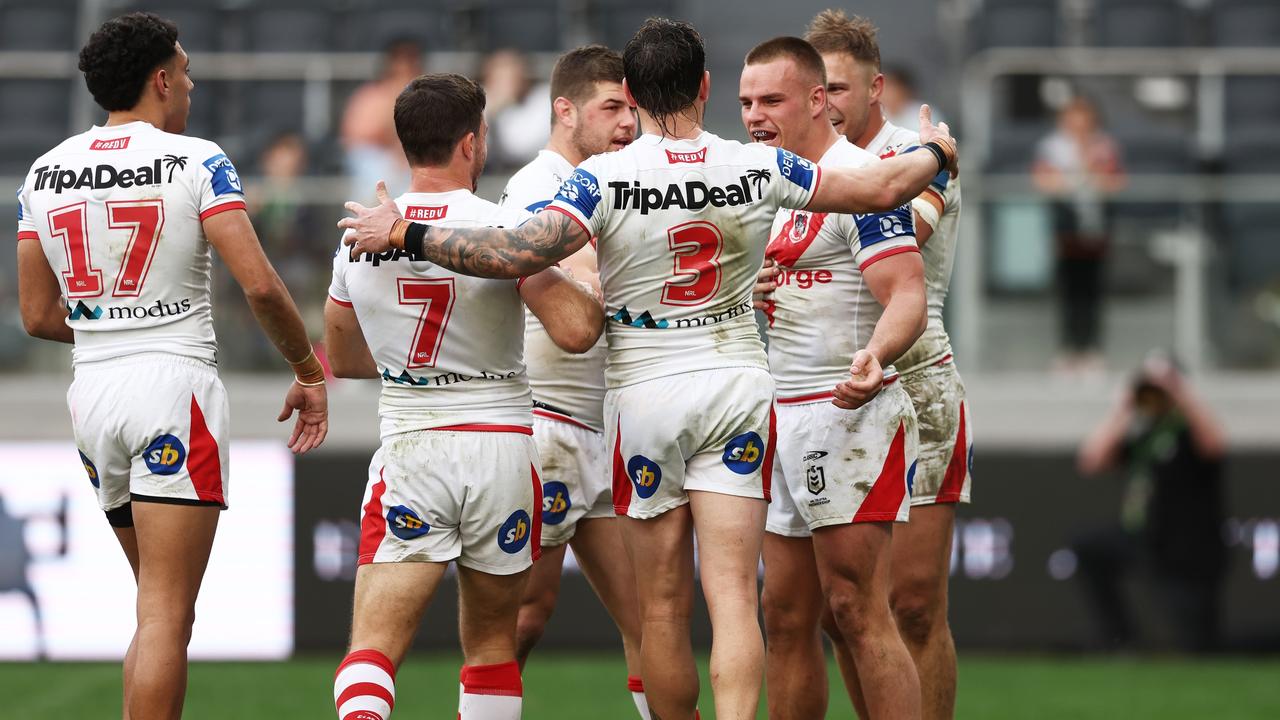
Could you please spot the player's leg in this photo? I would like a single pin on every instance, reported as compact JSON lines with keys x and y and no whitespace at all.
{"x":661,"y":550}
{"x":390,"y":598}
{"x":854,"y":564}
{"x":539,"y":600}
{"x":174,"y":542}
{"x":844,"y":663}
{"x":121,"y":521}
{"x":730,"y":532}
{"x":602,"y":555}
{"x":796,"y":667}
{"x":921,"y":564}
{"x":487,"y":609}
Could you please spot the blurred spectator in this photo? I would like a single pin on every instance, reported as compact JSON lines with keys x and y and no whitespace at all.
{"x":518,"y":111}
{"x":1077,"y":166}
{"x":368,"y":124}
{"x":900,"y":99}
{"x":1170,"y":448}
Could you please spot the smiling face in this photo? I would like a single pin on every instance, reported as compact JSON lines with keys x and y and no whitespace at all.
{"x":779,"y":104}
{"x":853,"y":92}
{"x":605,"y":122}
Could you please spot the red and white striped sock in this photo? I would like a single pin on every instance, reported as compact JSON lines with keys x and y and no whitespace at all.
{"x":364,"y":688}
{"x":636,"y":686}
{"x":490,"y":692}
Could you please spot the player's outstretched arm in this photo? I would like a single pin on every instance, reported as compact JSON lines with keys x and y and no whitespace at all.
{"x":883,"y":186}
{"x":535,"y":245}
{"x":897,"y":282}
{"x":39,"y":295}
{"x":344,"y":343}
{"x":232,"y":235}
{"x":570,"y":310}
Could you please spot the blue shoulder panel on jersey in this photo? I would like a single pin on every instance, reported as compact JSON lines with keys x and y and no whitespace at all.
{"x":877,"y":227}
{"x":19,"y":202}
{"x":225,"y":178}
{"x":535,"y":207}
{"x":582,"y":191}
{"x":796,"y":169}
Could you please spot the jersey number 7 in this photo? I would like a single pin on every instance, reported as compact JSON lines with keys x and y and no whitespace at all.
{"x":435,"y":295}
{"x":144,"y":219}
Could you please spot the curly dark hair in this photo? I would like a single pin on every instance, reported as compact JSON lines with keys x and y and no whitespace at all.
{"x":122,"y":54}
{"x":664,"y":62}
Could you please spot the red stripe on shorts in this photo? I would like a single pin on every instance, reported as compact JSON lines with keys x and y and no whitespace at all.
{"x":957,"y":468}
{"x":536,"y":517}
{"x":621,"y":481}
{"x":767,"y":475}
{"x":203,"y":464}
{"x":373,"y":527}
{"x":885,"y":499}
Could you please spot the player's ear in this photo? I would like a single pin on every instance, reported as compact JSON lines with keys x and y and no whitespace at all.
{"x":704,"y":89}
{"x":160,"y":80}
{"x":565,"y":112}
{"x":468,"y":145}
{"x":818,"y":101}
{"x":877,"y":87}
{"x":626,"y":91}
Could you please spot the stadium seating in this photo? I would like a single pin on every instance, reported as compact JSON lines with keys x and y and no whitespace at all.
{"x":38,"y":25}
{"x":1245,"y":23}
{"x":1141,"y":23}
{"x":1017,"y":23}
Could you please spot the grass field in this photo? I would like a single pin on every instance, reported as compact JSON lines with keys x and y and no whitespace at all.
{"x":584,"y":686}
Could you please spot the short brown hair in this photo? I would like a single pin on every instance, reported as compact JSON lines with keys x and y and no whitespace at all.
{"x":577,"y":72}
{"x":794,"y":49}
{"x":831,"y":31}
{"x":434,"y":113}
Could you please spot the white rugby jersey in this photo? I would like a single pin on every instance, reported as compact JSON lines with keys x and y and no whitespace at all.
{"x":448,"y":346}
{"x":562,"y":383}
{"x":822,"y":311}
{"x":939,"y":252}
{"x":680,"y":228}
{"x":117,"y":211}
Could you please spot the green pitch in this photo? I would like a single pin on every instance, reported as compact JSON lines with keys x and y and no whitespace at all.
{"x":588,"y":686}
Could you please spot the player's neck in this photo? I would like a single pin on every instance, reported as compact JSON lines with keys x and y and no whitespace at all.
{"x":153,"y":117}
{"x":440,"y":179}
{"x":875,"y":123}
{"x":819,"y":140}
{"x":683,"y":125}
{"x":561,"y":145}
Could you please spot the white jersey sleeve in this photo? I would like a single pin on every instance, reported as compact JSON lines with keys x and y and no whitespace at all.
{"x":580,"y":196}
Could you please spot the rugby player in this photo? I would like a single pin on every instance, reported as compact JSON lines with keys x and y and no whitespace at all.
{"x":850,"y":300}
{"x":680,"y":218}
{"x":589,"y":115}
{"x":922,"y":548}
{"x":456,"y":477}
{"x":118,"y":220}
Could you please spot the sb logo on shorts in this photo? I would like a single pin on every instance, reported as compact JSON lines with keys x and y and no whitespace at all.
{"x":165,"y":455}
{"x":405,"y":523}
{"x":555,"y":502}
{"x":90,"y":468}
{"x":645,"y":475}
{"x":514,"y":533}
{"x":744,"y":453}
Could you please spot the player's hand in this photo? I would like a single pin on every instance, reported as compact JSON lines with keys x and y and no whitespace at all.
{"x":312,"y":404}
{"x":865,"y":378}
{"x":940,"y":134}
{"x":370,"y":230}
{"x":766,"y":283}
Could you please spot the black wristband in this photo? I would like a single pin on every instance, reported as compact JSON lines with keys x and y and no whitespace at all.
{"x":938,"y":153}
{"x":413,"y":239}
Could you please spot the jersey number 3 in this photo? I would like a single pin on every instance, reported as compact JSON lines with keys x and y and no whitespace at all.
{"x":696,"y":269}
{"x":144,"y":219}
{"x":436,"y":298}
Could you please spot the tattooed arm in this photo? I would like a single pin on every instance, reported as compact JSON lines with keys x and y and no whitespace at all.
{"x":535,"y":245}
